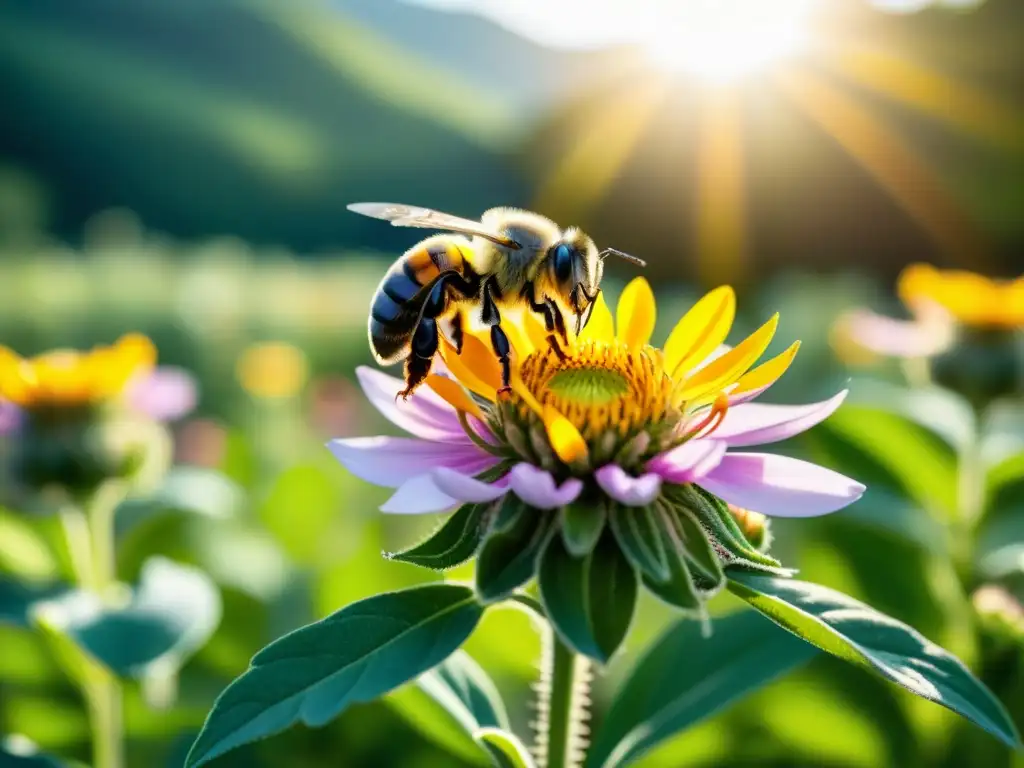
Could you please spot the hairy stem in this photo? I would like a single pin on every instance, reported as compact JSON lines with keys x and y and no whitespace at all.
{"x":563,"y":705}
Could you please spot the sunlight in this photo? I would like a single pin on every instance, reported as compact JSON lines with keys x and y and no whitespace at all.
{"x":721,"y":41}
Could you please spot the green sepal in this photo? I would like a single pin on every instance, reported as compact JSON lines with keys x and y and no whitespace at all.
{"x":455,"y":542}
{"x":679,"y":589}
{"x":504,"y":749}
{"x":589,"y":600}
{"x":507,"y":557}
{"x":508,"y":511}
{"x":714,"y":514}
{"x":582,"y":524}
{"x":704,"y":561}
{"x":639,"y":537}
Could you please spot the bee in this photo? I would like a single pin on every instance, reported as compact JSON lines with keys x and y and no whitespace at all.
{"x":511,"y":258}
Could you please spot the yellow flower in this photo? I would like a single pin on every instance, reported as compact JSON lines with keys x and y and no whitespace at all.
{"x":65,"y":377}
{"x":972,"y":299}
{"x":272,"y":370}
{"x":610,"y":389}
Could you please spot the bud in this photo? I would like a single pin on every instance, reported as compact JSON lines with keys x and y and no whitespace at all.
{"x":754,"y":527}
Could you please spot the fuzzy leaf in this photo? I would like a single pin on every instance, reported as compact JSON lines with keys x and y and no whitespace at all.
{"x":357,"y":654}
{"x":582,"y":524}
{"x":590,"y":600}
{"x":455,"y":542}
{"x":856,"y":633}
{"x":506,"y":560}
{"x":678,"y":590}
{"x":639,"y":537}
{"x":686,"y":677}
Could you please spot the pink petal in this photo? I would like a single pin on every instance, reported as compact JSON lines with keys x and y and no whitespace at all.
{"x":780,"y":486}
{"x":631,"y":491}
{"x":756,"y":424}
{"x":439,"y":490}
{"x":165,"y":394}
{"x":688,"y":462}
{"x":10,"y":418}
{"x":930,"y":334}
{"x":391,"y":461}
{"x":537,"y":487}
{"x":425,"y":414}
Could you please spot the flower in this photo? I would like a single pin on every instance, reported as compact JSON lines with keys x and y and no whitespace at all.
{"x":616,"y":416}
{"x":939,"y":301}
{"x":83,"y":418}
{"x":64,"y":380}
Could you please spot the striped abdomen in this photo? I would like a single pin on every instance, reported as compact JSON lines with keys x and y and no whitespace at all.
{"x":399,"y":299}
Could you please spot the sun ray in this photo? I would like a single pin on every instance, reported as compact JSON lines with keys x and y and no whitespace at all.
{"x":959,"y":104}
{"x":720,"y":230}
{"x":600,"y":151}
{"x":894,"y":165}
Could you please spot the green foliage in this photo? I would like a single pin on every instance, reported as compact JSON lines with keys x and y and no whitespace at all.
{"x":582,"y":524}
{"x":506,"y":560}
{"x":455,"y":542}
{"x":505,"y":749}
{"x":862,"y":636}
{"x":639,"y":536}
{"x":172,"y":613}
{"x":589,"y":600}
{"x":357,"y":654}
{"x":688,"y":675}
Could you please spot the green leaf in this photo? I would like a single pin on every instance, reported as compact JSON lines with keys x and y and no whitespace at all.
{"x":744,"y":653}
{"x":23,"y":550}
{"x":678,"y":590}
{"x":354,"y":655}
{"x":636,"y":529}
{"x":506,"y":560}
{"x":856,"y":633}
{"x":505,"y":749}
{"x":705,"y":567}
{"x":590,"y":600}
{"x":172,"y":613}
{"x":17,"y":600}
{"x":938,"y":410}
{"x":185,"y":490}
{"x":582,"y":523}
{"x":450,"y":703}
{"x":455,"y":542}
{"x":883,"y":511}
{"x":714,"y":513}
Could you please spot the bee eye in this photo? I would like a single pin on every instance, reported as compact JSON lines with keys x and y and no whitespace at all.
{"x":563,"y":262}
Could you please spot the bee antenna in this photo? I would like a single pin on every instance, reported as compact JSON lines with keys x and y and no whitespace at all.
{"x":622,"y":255}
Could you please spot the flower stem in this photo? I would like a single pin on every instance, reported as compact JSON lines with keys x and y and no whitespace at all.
{"x":90,"y":541}
{"x":564,"y":698}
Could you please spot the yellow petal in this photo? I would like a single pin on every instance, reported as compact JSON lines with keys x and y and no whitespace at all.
{"x":700,"y":331}
{"x":519,"y":341}
{"x":111,"y":369}
{"x":725,"y":370}
{"x":600,"y":327}
{"x":565,"y":439}
{"x":535,"y":331}
{"x":17,"y":379}
{"x":634,"y":317}
{"x":476,"y":367}
{"x":767,"y":373}
{"x":454,"y":395}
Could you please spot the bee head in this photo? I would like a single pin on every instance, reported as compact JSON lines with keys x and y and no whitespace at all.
{"x":576,"y":268}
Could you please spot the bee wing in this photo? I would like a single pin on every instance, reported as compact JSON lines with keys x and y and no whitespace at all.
{"x":410,"y":216}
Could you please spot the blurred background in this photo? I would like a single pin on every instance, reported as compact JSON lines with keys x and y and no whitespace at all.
{"x":181,"y":168}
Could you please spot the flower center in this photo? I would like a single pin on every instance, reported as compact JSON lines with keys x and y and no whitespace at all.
{"x":610,"y":392}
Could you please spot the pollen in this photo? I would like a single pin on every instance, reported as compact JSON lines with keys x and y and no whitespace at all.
{"x":601,"y":387}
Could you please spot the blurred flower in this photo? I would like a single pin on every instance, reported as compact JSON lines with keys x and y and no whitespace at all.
{"x":973,"y":300}
{"x":614,"y":422}
{"x":272,"y":370}
{"x":84,"y":417}
{"x":67,"y":377}
{"x":860,"y":337}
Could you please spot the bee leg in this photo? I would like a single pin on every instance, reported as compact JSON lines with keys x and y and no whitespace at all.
{"x":424,"y":347}
{"x":457,"y":332}
{"x":552,"y":319}
{"x":499,"y":341}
